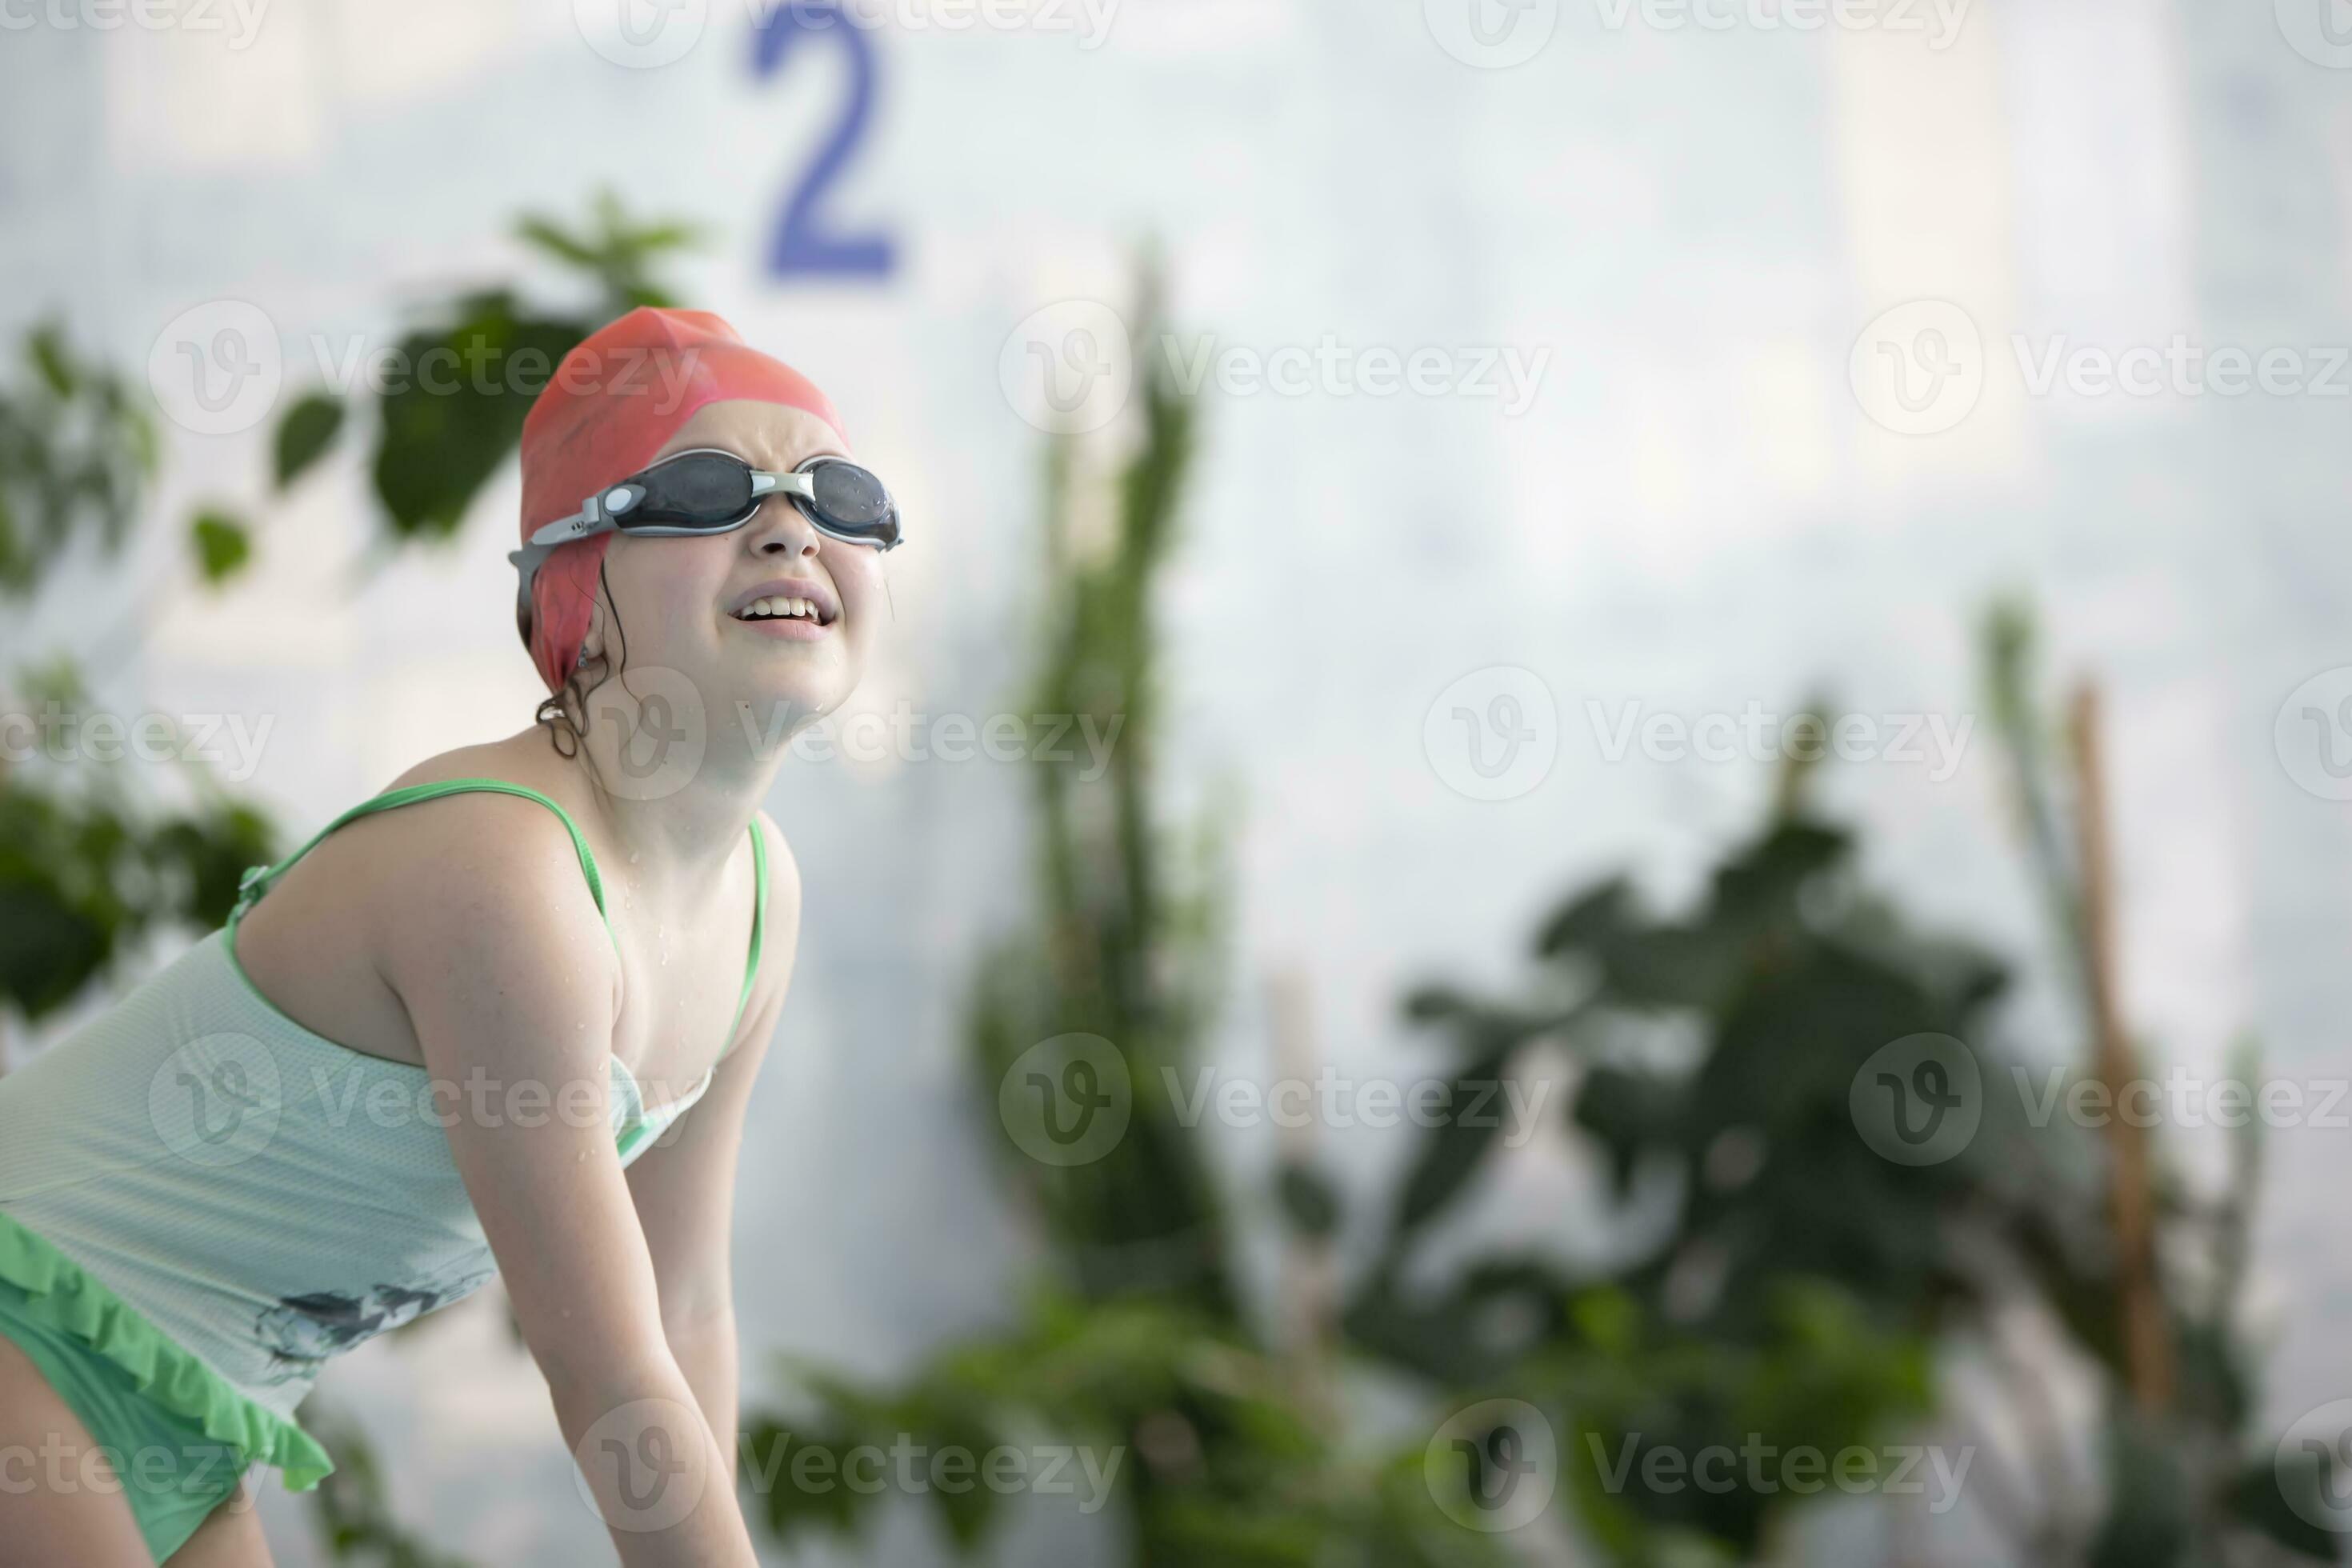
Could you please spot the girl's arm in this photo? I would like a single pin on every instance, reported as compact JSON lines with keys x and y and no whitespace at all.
{"x":685,"y":1184}
{"x":682,"y":1187}
{"x":503,"y":962}
{"x":684,"y":1190}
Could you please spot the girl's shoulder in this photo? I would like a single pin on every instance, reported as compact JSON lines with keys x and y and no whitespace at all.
{"x":469,"y":849}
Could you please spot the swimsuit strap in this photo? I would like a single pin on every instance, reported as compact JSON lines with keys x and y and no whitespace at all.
{"x":758,"y":926}
{"x":257,"y":879}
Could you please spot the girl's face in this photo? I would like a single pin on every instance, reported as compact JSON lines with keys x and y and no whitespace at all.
{"x":681,"y":603}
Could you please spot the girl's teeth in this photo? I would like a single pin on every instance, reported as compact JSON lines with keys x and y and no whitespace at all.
{"x":775,"y":608}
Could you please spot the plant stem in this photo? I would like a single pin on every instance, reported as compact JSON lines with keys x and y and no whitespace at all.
{"x":1309,"y":1285}
{"x":2148,"y":1351}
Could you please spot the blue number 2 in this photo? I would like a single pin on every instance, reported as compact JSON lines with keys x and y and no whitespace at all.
{"x":803,"y":243}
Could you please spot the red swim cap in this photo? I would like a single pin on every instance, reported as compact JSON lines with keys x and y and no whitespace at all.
{"x":618,"y":395}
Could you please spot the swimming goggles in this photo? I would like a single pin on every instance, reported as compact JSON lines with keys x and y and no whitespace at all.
{"x":705,"y":491}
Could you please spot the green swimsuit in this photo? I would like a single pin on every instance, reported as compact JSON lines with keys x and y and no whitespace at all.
{"x":200,"y":1200}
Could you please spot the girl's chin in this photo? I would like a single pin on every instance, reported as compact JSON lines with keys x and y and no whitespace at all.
{"x":782,"y":707}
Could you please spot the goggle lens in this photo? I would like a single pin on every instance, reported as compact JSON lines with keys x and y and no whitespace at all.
{"x":850,"y":497}
{"x":695,"y":489}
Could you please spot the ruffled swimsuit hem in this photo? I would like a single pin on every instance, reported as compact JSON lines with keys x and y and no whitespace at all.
{"x":60,"y":1293}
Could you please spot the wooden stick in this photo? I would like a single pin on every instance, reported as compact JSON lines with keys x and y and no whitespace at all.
{"x":2148,"y":1346}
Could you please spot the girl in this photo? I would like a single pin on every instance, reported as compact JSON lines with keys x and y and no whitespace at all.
{"x":502,"y":1019}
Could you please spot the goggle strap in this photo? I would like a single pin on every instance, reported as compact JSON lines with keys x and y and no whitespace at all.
{"x":595,"y":513}
{"x":564,"y":530}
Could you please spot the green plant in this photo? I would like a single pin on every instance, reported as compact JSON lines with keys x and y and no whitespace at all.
{"x":86,"y":864}
{"x":1782,"y":1281}
{"x":1136,"y":1342}
{"x":350,"y":1512}
{"x":2191,"y":1481}
{"x":77,"y":451}
{"x":439,"y":438}
{"x":1774,"y":1278}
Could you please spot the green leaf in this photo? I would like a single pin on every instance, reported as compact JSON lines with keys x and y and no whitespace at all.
{"x":305,"y":432}
{"x":668,"y":237}
{"x":1437,"y":1005}
{"x":798,"y":1494}
{"x":76,"y":451}
{"x":47,"y":348}
{"x":223,"y":544}
{"x":543,"y":234}
{"x":1764,"y":881}
{"x":2148,"y":1523}
{"x":1596,"y":919}
{"x":48,"y":950}
{"x":1628,"y":1113}
{"x":442,"y":433}
{"x":614,"y":250}
{"x":2281,"y":1498}
{"x":70,"y":864}
{"x":1456,"y":1145}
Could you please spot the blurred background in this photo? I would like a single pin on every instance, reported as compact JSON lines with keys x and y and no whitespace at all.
{"x":1606,"y":818}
